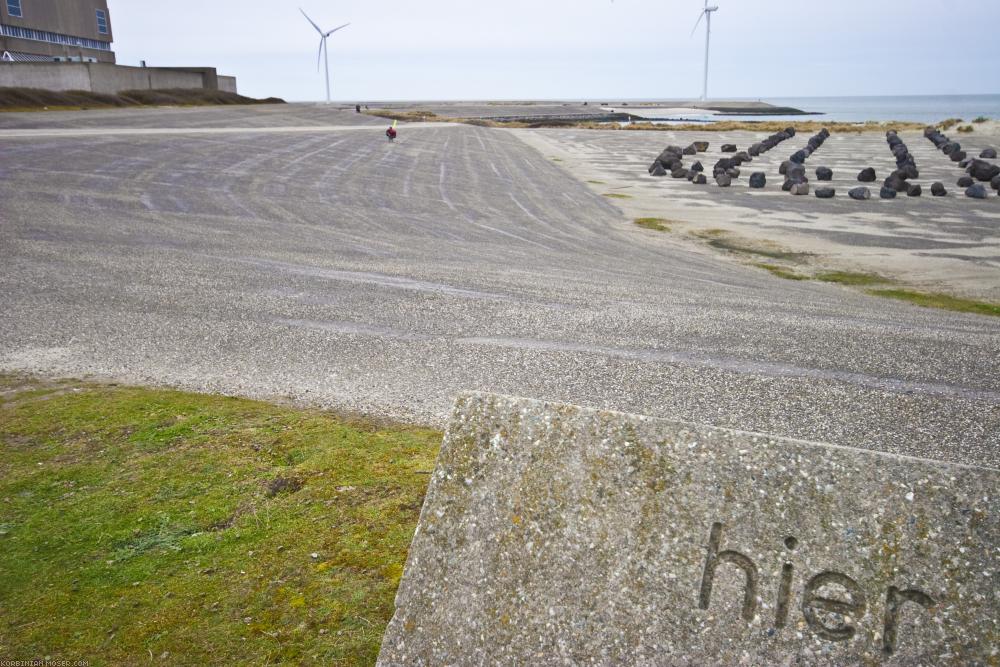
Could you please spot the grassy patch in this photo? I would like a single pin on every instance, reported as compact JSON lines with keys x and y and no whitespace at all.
{"x":944,"y":301}
{"x":36,"y":99}
{"x":966,"y":129}
{"x":781,"y":272}
{"x":617,"y":195}
{"x":656,"y":224}
{"x":946,"y":125}
{"x":407,"y":116}
{"x":556,"y":159}
{"x":981,"y":119}
{"x":731,"y":245}
{"x":597,"y":182}
{"x":851,"y":278}
{"x":199,"y":529}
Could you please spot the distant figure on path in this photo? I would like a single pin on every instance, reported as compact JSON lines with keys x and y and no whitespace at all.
{"x":391,"y":133}
{"x":357,"y":108}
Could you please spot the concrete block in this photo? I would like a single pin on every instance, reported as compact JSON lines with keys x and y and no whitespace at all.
{"x":553,"y":534}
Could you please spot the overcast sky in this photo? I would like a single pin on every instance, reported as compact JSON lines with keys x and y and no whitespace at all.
{"x":568,"y":49}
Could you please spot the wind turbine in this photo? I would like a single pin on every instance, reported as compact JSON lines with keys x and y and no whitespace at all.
{"x":323,"y":53}
{"x":707,"y":15}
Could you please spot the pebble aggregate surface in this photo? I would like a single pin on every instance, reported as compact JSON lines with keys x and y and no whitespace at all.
{"x":292,"y":252}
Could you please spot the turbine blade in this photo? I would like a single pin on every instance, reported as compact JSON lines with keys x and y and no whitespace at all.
{"x":310,"y":21}
{"x":319,"y":56}
{"x":336,"y":29}
{"x":697,"y":23}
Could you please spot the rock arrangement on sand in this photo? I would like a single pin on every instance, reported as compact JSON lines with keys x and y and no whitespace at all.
{"x":771,"y":142}
{"x":976,"y":169}
{"x":860,"y":194}
{"x":906,"y":168}
{"x":794,"y":170}
{"x":671,"y":161}
{"x":938,"y":190}
{"x":867,"y":175}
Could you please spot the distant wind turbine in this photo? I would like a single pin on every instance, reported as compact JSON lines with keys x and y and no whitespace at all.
{"x":323,"y":53}
{"x":707,"y":15}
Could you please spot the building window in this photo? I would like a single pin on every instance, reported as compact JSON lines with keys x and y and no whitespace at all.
{"x":52,"y":37}
{"x":102,"y":22}
{"x":14,"y":7}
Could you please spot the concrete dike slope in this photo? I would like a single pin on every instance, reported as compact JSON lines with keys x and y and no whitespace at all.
{"x":553,"y":534}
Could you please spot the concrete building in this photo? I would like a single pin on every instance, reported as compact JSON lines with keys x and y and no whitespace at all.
{"x":56,"y":30}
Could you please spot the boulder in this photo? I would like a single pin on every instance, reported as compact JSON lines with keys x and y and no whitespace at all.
{"x":824,"y":174}
{"x":896,"y":183}
{"x":825,"y":193}
{"x":958,"y":156}
{"x":787,"y":185}
{"x":729,"y":148}
{"x":887,"y":193}
{"x":938,"y":190}
{"x":977,"y":191}
{"x":758,"y":180}
{"x":743,"y":156}
{"x":951,"y":147}
{"x":995,"y":183}
{"x":723,"y":180}
{"x":989,"y":154}
{"x":867,"y":175}
{"x":914,"y":191}
{"x":690,"y":150}
{"x":909,"y":171}
{"x":700,"y":146}
{"x":657,"y":169}
{"x":983,"y":171}
{"x":800,"y":189}
{"x":697,"y":166}
{"x":966,"y":182}
{"x":783,"y":169}
{"x":799,"y":157}
{"x":755,"y":150}
{"x":679,"y":173}
{"x":790,"y":131}
{"x":860,"y":194}
{"x":733,"y":173}
{"x":700,"y":179}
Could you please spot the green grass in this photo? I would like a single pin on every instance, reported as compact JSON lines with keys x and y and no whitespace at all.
{"x":617,"y":195}
{"x":781,"y":272}
{"x":656,"y":224}
{"x":944,"y":301}
{"x":850,"y":278}
{"x":966,"y":129}
{"x":733,"y":246}
{"x":198,"y":529}
{"x":980,"y":119}
{"x":597,"y":182}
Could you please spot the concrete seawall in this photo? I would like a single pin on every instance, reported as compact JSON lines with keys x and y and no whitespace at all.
{"x":110,"y":79}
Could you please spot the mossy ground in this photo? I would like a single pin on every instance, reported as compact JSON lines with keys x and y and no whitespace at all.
{"x":142,"y":525}
{"x":655,"y":224}
{"x":945,"y":301}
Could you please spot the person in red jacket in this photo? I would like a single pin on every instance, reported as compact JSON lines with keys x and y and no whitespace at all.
{"x":391,"y":133}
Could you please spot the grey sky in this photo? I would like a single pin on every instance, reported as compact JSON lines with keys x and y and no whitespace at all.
{"x":588,"y":49}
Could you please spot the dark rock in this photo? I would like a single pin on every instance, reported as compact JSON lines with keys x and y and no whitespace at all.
{"x":729,"y":148}
{"x":977,"y":191}
{"x":914,"y":191}
{"x":995,"y":183}
{"x":800,"y":189}
{"x":755,"y":150}
{"x":700,"y":146}
{"x":733,"y":173}
{"x":697,"y":166}
{"x":787,"y":185}
{"x":938,"y":190}
{"x":826,"y":193}
{"x":989,"y":154}
{"x":909,"y":171}
{"x":966,"y":182}
{"x":690,"y":150}
{"x":958,"y":156}
{"x":965,"y":163}
{"x":679,"y":173}
{"x":790,"y":131}
{"x":723,"y":164}
{"x":797,"y":173}
{"x":895,"y":183}
{"x":860,"y":194}
{"x":657,"y":169}
{"x":887,"y":193}
{"x":799,"y":157}
{"x":758,"y":179}
{"x":743,"y":156}
{"x":783,"y":169}
{"x":824,"y":174}
{"x":700,"y":179}
{"x":951,"y":147}
{"x":983,"y":171}
{"x":692,"y":174}
{"x":724,"y":180}
{"x":867,"y":175}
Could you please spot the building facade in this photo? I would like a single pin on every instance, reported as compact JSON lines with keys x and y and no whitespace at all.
{"x":56,"y":30}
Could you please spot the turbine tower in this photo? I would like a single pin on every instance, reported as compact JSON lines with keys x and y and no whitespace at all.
{"x":707,"y":15}
{"x":323,"y":53}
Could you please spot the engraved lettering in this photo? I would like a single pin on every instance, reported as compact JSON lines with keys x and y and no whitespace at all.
{"x":817,"y":608}
{"x":741,"y":561}
{"x":894,"y":600}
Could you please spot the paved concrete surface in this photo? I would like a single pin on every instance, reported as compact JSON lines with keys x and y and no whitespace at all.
{"x":336,"y":269}
{"x":927,"y":242}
